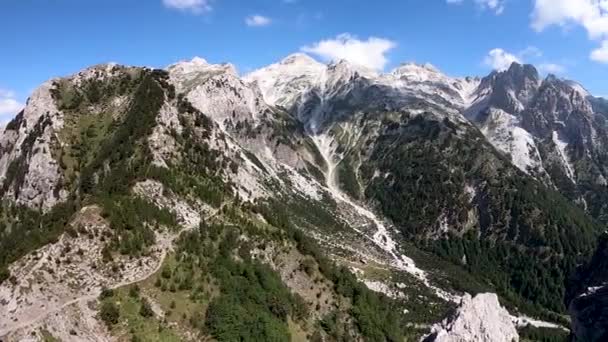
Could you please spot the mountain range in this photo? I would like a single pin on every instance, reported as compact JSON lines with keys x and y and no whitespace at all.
{"x":302,"y":201}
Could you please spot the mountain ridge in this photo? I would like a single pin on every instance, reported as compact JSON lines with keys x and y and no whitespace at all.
{"x":334,"y":152}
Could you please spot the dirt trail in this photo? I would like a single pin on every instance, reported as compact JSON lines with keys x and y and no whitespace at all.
{"x":95,"y":293}
{"x":164,"y":245}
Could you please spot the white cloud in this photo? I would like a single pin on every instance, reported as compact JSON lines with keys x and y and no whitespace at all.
{"x":257,"y":20}
{"x":530,"y":51}
{"x":500,"y":59}
{"x":497,"y":6}
{"x":6,"y":93}
{"x":551,"y":68}
{"x":370,"y":53}
{"x":592,"y":15}
{"x":8,"y":103}
{"x":600,"y":54}
{"x":9,"y":106}
{"x":192,"y":6}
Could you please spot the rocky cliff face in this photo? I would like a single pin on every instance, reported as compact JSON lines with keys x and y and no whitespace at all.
{"x":479,"y":318}
{"x":552,"y":129}
{"x":29,"y":173}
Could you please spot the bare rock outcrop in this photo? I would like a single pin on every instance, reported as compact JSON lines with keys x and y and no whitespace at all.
{"x":479,"y":318}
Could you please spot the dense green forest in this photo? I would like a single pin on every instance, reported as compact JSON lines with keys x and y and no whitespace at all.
{"x":533,"y":235}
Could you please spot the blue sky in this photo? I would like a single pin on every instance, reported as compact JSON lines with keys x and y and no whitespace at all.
{"x":44,"y":39}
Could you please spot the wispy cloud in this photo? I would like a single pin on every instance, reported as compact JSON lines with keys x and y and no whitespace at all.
{"x":191,"y":6}
{"x":551,"y":68}
{"x":257,"y":20}
{"x":370,"y":53}
{"x":531,"y":52}
{"x":497,"y":6}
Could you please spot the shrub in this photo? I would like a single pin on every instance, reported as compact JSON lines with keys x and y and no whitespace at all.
{"x":145,"y":310}
{"x":109,"y":313}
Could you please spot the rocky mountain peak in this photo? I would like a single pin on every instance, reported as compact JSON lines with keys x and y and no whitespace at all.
{"x":189,"y":70}
{"x":298,"y":59}
{"x":511,"y":90}
{"x":414,"y":70}
{"x":522,"y":71}
{"x":344,"y":70}
{"x":562,"y":102}
{"x":196,"y":63}
{"x":572,"y":90}
{"x":284,"y":82}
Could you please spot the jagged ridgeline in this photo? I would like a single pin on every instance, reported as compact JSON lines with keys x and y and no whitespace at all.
{"x":304,"y":201}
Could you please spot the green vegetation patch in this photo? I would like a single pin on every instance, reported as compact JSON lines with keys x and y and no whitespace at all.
{"x":533,"y":334}
{"x":23,"y":230}
{"x":48,"y":337}
{"x":128,"y":313}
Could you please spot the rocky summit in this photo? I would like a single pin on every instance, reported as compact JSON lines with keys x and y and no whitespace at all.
{"x":303,"y":201}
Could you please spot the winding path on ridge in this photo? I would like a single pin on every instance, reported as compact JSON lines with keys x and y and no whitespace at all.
{"x":165,"y":244}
